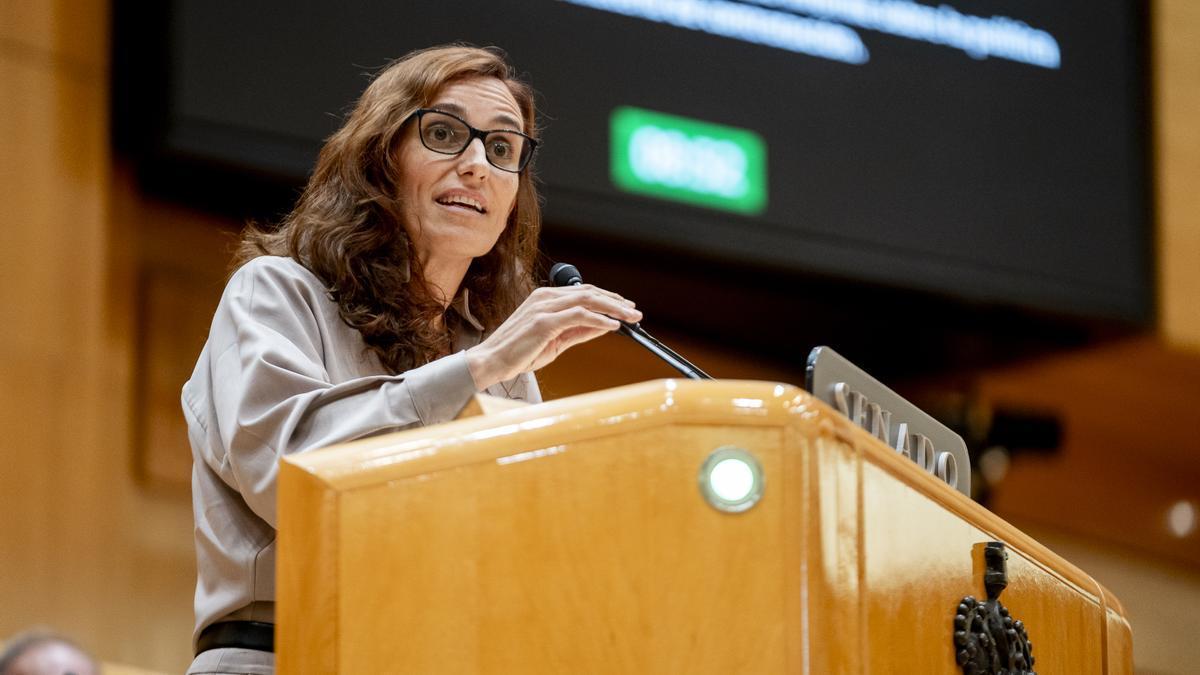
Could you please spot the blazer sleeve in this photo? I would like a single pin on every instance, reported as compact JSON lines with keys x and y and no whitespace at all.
{"x":272,"y":396}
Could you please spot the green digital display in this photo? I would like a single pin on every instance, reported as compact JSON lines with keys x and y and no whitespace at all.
{"x":687,"y":160}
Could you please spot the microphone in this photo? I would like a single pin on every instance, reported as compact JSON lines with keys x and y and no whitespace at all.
{"x":564,"y":274}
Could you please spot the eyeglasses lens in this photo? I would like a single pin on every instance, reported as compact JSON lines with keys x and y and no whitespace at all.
{"x":447,"y":134}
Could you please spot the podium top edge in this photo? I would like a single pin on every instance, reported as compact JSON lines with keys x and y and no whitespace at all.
{"x":481,"y":438}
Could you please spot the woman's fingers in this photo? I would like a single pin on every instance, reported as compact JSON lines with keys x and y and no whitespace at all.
{"x":595,"y":299}
{"x":581,"y":288}
{"x":602,"y":291}
{"x":550,"y":321}
{"x":547,"y":292}
{"x":583,"y":317}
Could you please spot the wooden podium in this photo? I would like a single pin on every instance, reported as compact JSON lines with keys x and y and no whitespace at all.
{"x":574,"y":537}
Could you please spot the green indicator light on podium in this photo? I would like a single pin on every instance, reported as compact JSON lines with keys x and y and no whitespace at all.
{"x":686,"y":160}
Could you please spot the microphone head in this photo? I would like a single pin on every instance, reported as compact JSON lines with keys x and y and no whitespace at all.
{"x":565,"y":274}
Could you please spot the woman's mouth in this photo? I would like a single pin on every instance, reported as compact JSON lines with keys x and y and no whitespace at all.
{"x":462,"y":202}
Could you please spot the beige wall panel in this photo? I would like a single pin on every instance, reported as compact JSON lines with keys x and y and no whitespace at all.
{"x":60,"y":463}
{"x":53,"y":183}
{"x":1177,"y":116}
{"x":85,"y":551}
{"x":70,"y":34}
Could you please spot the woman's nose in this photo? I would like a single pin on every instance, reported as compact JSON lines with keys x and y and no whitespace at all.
{"x":474,"y":158}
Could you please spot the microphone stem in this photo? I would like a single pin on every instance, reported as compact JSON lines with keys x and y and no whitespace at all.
{"x":563,"y":274}
{"x":639,"y":335}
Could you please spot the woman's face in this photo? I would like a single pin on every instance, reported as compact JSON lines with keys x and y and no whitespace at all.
{"x":433,"y":187}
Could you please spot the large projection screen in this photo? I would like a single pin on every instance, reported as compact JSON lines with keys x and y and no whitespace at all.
{"x":989,"y":151}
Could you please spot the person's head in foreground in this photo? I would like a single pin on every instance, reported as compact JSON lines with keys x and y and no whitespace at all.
{"x":42,"y":652}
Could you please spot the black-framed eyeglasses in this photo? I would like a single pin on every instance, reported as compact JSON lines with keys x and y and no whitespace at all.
{"x":449,"y":134}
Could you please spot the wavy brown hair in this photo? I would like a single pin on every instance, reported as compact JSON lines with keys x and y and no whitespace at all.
{"x":346,"y":227}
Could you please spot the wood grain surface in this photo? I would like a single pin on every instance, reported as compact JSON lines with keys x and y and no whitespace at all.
{"x":571,"y":536}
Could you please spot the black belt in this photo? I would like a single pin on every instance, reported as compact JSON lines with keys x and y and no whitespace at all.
{"x":237,"y":635}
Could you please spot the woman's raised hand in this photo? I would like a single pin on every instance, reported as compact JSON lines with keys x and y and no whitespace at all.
{"x":550,"y":321}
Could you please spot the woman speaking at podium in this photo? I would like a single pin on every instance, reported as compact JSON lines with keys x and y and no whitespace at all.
{"x":398,"y":287}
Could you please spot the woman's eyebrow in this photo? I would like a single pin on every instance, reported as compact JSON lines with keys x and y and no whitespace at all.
{"x":506,"y":120}
{"x":501,"y":118}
